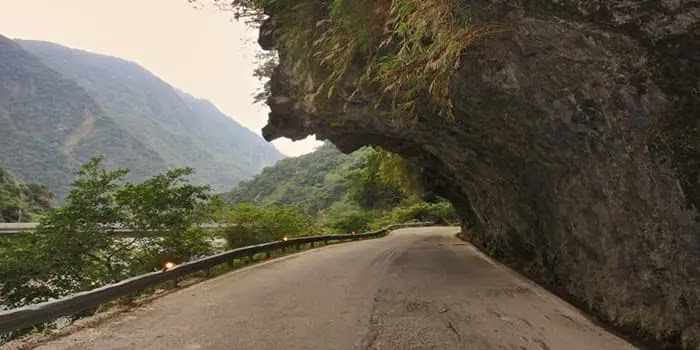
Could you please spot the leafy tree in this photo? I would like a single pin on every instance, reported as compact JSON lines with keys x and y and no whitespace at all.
{"x":369,"y":187}
{"x":76,"y":247}
{"x":73,"y":248}
{"x":170,"y":206}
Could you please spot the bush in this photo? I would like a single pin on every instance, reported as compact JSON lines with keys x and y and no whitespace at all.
{"x":346,"y":219}
{"x":440,"y":213}
{"x":249,"y":225}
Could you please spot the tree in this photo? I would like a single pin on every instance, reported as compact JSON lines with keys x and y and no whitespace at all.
{"x":76,"y":247}
{"x":369,"y":189}
{"x":166,"y":204}
{"x":73,"y":248}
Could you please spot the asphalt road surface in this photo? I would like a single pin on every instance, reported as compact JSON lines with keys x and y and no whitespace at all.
{"x":418,"y":288}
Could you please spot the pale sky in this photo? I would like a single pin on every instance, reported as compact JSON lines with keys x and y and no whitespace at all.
{"x":201,"y":51}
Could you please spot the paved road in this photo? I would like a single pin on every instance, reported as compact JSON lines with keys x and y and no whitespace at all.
{"x":416,"y":289}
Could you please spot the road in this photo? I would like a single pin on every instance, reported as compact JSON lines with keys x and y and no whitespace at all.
{"x":415,"y":289}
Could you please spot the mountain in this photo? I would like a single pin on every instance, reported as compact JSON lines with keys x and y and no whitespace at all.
{"x":313,"y":182}
{"x":49,"y":125}
{"x":61,"y":106}
{"x":223,"y":136}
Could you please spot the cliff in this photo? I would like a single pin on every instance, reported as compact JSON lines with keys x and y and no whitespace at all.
{"x":566,"y":134}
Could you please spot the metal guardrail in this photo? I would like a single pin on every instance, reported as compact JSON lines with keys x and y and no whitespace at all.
{"x":36,"y":314}
{"x":13,"y":229}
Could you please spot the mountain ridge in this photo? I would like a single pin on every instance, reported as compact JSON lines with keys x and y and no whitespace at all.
{"x":117,"y":108}
{"x":40,"y":111}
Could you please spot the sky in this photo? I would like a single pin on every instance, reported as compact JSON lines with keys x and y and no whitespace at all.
{"x":202,"y":51}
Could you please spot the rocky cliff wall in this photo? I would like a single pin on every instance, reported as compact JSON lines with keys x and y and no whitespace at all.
{"x":572,"y":153}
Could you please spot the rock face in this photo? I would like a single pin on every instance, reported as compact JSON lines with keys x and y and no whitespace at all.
{"x":573,"y":154}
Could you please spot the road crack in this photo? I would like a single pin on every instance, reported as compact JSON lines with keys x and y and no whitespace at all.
{"x":454,"y":330}
{"x":374,"y":326}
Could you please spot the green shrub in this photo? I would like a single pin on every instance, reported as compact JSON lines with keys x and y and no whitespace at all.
{"x":347,"y":219}
{"x":248,"y":224}
{"x":440,"y":213}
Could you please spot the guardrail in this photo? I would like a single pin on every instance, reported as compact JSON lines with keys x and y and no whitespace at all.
{"x":36,"y":314}
{"x":13,"y":229}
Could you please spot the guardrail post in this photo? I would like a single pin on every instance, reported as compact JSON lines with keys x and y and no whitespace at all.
{"x":267,"y":254}
{"x":173,"y":282}
{"x":230,"y":263}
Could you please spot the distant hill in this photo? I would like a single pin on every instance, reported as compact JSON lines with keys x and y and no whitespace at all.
{"x":313,"y":182}
{"x":61,"y":106}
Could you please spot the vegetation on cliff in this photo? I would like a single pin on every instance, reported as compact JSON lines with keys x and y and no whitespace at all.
{"x":395,"y":53}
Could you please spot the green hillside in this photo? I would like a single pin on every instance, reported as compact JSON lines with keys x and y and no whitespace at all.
{"x":312,"y":182}
{"x":366,"y":189}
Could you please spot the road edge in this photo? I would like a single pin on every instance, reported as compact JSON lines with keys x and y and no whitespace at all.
{"x":635,"y":339}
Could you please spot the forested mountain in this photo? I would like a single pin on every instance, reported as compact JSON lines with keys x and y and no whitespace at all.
{"x":234,"y":148}
{"x":312,"y":182}
{"x":359,"y":191}
{"x":49,"y":125}
{"x":60,"y":106}
{"x":22,"y":202}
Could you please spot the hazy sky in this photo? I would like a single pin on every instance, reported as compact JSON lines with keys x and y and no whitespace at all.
{"x":201,"y":51}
